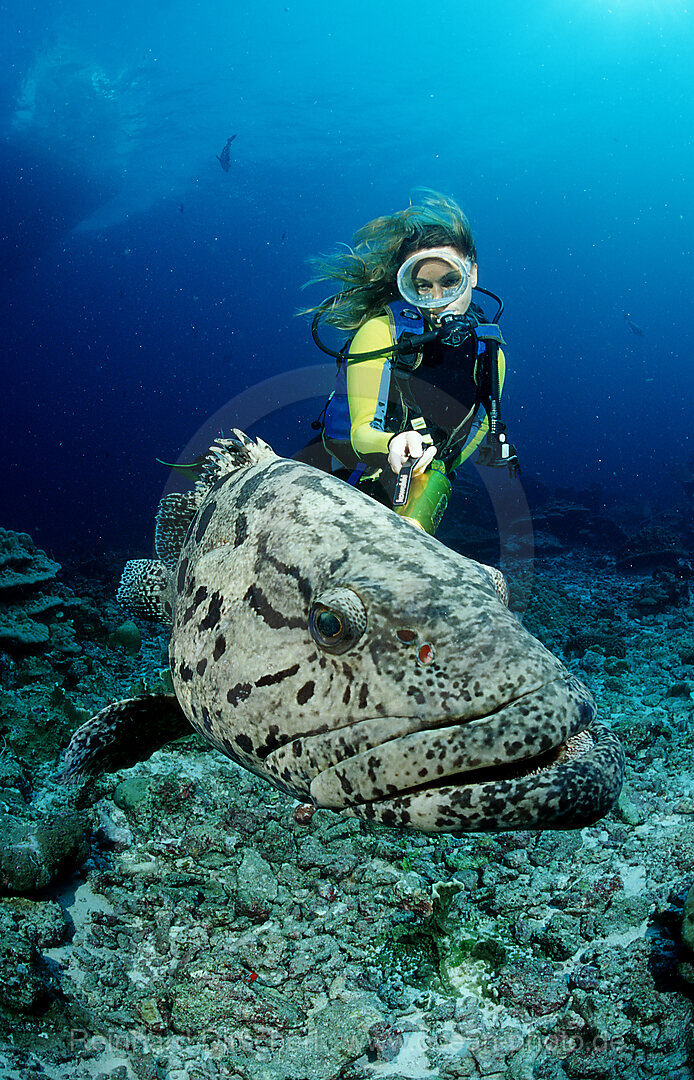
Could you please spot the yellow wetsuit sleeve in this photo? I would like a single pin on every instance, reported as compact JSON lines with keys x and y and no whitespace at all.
{"x":483,"y":428}
{"x":368,"y":382}
{"x":367,"y":387}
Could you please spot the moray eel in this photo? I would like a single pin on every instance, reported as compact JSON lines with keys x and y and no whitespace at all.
{"x":351,"y":660}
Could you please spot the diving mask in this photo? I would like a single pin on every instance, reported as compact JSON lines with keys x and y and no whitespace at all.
{"x":426,"y":285}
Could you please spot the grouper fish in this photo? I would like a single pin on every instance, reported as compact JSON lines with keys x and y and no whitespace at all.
{"x":353,"y":661}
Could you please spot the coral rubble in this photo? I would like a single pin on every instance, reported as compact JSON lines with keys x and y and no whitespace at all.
{"x":182,"y":919}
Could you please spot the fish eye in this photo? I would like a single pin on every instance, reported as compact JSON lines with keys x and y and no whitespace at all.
{"x":328,"y":624}
{"x":337,"y":619}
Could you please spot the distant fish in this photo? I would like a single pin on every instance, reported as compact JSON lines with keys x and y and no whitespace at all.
{"x":632,"y":325}
{"x":224,"y":158}
{"x":181,"y":207}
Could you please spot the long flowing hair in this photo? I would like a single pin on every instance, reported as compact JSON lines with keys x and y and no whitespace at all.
{"x":366,"y":271}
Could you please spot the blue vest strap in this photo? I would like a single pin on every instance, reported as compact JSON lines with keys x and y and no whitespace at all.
{"x":489,"y":332}
{"x":337,"y":426}
{"x":404,"y":319}
{"x":357,"y":474}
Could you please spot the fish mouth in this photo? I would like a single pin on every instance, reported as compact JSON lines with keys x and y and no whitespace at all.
{"x":581,"y":743}
{"x":387,"y":757}
{"x":567,"y":788}
{"x":538,"y":761}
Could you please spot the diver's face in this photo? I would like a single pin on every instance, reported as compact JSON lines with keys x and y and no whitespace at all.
{"x":434,"y":276}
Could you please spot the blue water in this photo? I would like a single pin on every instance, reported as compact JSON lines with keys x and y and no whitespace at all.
{"x":148,"y":295}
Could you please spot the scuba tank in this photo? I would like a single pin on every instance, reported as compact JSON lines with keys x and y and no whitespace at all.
{"x":426,"y":498}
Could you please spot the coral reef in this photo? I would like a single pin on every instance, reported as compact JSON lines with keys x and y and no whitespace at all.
{"x":573,"y":523}
{"x":182,"y":919}
{"x":665,"y":589}
{"x":36,"y":613}
{"x":654,"y":547}
{"x":24,"y":606}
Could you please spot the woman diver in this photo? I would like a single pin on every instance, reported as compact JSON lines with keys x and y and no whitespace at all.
{"x":419,"y":382}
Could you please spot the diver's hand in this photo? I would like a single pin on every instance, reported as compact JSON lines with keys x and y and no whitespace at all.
{"x":408,"y":445}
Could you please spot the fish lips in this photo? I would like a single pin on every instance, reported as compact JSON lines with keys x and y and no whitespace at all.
{"x":578,"y":790}
{"x":529,"y":727}
{"x":537,"y":762}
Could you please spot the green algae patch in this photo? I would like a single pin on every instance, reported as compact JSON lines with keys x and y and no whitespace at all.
{"x":412,"y":955}
{"x":445,"y":951}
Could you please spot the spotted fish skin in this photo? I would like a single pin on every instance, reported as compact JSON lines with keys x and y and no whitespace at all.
{"x":364,"y":723}
{"x":330,"y":646}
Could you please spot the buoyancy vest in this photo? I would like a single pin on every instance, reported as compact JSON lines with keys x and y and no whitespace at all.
{"x":406,"y":320}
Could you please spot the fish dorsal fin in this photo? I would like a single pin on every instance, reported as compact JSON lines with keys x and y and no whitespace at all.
{"x":227,"y":456}
{"x":177,"y":510}
{"x":175,"y":513}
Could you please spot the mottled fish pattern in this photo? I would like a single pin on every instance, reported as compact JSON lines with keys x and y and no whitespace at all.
{"x":353,"y":661}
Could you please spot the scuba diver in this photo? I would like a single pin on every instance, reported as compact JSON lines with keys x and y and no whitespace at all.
{"x":419,"y":382}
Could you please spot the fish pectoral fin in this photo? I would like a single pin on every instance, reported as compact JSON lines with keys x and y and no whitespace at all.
{"x":499,"y":582}
{"x":122,"y":734}
{"x":175,"y":513}
{"x":146,"y":590}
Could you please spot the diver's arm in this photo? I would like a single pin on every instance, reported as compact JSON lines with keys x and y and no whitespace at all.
{"x":368,"y":382}
{"x":502,"y":370}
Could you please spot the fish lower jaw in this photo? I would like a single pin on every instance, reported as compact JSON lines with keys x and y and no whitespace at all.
{"x":569,"y":787}
{"x":577,"y":745}
{"x":526,"y":737}
{"x":494,"y":773}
